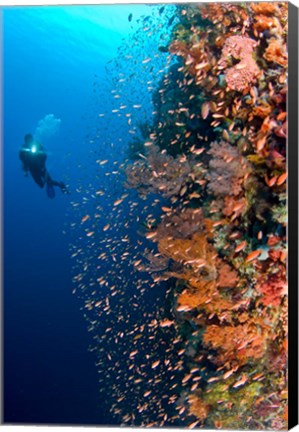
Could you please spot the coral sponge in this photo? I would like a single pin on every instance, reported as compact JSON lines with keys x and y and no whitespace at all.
{"x":239,"y":47}
{"x":240,"y":76}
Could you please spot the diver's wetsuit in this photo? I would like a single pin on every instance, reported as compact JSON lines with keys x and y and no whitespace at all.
{"x":33,"y":157}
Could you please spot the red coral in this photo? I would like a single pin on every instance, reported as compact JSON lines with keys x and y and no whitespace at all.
{"x":273,"y":289}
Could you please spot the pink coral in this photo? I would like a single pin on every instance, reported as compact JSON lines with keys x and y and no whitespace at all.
{"x":227,"y":169}
{"x":149,"y":174}
{"x":239,"y":47}
{"x":241,"y":75}
{"x":183,"y":224}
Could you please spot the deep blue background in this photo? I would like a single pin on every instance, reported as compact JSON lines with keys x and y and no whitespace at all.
{"x":50,"y":58}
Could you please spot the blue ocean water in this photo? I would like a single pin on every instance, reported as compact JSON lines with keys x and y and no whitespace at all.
{"x":55,"y":61}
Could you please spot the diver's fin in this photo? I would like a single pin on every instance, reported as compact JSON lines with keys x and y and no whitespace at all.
{"x":63,"y":188}
{"x":50,"y":191}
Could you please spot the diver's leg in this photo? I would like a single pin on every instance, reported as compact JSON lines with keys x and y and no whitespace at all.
{"x":50,"y":187}
{"x":52,"y":182}
{"x":37,"y":177}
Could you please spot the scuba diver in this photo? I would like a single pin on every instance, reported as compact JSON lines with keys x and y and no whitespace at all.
{"x":33,"y":157}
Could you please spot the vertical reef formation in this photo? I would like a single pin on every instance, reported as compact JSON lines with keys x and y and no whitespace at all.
{"x":216,"y":154}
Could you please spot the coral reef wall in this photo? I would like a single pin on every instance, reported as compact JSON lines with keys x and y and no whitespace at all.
{"x":216,"y":153}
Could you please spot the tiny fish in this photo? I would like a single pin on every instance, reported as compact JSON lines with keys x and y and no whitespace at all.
{"x":261,"y":143}
{"x":192,"y":425}
{"x":272,"y":181}
{"x":155,"y":364}
{"x":85,"y":218}
{"x":166,"y":323}
{"x":253,"y":255}
{"x":117,"y":202}
{"x":281,"y":179}
{"x":281,"y":116}
{"x":241,"y":382}
{"x":213,"y":379}
{"x":241,"y":246}
{"x":218,"y":115}
{"x":151,"y":235}
{"x":186,"y":378}
{"x":205,"y":109}
{"x":225,"y":135}
{"x":229,"y":373}
{"x":171,"y":20}
{"x":241,"y":65}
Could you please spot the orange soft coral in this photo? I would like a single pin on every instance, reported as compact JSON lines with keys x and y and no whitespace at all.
{"x":263,"y":22}
{"x":276,"y":52}
{"x":236,"y":342}
{"x":262,"y":110}
{"x":225,"y":13}
{"x":195,"y":252}
{"x":227,"y":276}
{"x":265,"y":8}
{"x":206,"y":295}
{"x":203,"y":295}
{"x":188,"y":299}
